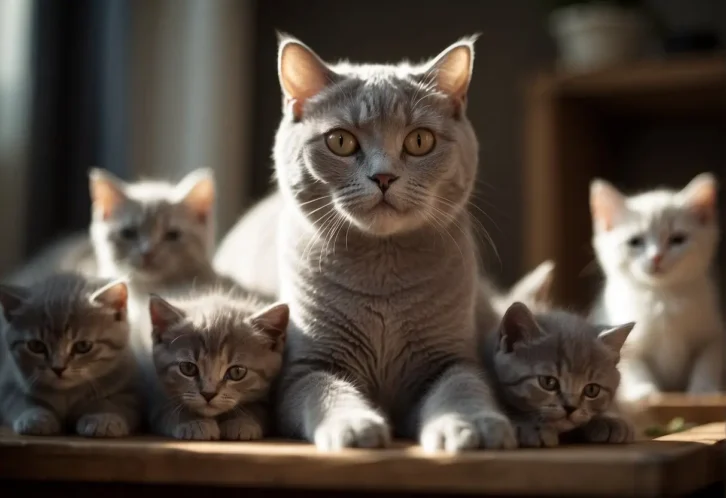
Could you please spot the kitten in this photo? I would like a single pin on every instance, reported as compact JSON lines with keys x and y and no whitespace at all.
{"x":215,"y":355}
{"x":66,"y":360}
{"x":656,"y":250}
{"x":375,"y":165}
{"x":556,"y":373}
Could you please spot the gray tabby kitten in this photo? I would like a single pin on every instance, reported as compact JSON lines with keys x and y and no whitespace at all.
{"x":556,"y":373}
{"x":215,"y":356}
{"x":66,"y":363}
{"x":376,"y":164}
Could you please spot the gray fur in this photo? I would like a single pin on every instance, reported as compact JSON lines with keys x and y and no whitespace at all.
{"x":94,"y":395}
{"x":526,"y":348}
{"x":382,"y":297}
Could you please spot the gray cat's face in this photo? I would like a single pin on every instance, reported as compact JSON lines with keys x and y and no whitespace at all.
{"x":384,"y":148}
{"x":213,"y":358}
{"x":151,"y":231}
{"x":63,"y":331}
{"x":556,"y":367}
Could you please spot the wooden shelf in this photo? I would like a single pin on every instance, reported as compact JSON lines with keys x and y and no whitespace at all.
{"x":674,"y":465}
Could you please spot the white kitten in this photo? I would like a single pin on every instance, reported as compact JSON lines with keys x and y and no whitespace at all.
{"x":656,"y":251}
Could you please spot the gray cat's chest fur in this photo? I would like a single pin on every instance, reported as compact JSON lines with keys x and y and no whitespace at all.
{"x":394,"y":312}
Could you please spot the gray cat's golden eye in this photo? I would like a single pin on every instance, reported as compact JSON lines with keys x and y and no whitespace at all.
{"x":591,"y":390}
{"x":548,"y":383}
{"x":82,"y":347}
{"x":36,"y":347}
{"x":419,"y":142}
{"x":236,"y":373}
{"x":341,"y":143}
{"x":188,"y":368}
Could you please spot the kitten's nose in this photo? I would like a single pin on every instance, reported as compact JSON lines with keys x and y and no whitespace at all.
{"x":657,"y":259}
{"x":383,"y":180}
{"x":208,"y":395}
{"x":569,"y":409}
{"x":58,"y":371}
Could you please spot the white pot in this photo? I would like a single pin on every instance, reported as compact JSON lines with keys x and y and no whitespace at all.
{"x":596,"y":35}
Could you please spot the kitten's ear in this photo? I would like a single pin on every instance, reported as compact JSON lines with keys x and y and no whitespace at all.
{"x":273,"y":321}
{"x":615,"y":337}
{"x":115,"y":296}
{"x":302,"y":73}
{"x":107,"y":191}
{"x":12,"y":298}
{"x":163,"y":315}
{"x":197,"y":192}
{"x":536,"y":286}
{"x":701,"y":195}
{"x":518,"y":325}
{"x":451,"y":70}
{"x":607,"y":204}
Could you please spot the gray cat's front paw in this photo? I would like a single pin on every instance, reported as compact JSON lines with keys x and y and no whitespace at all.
{"x":37,"y":422}
{"x":455,"y":433}
{"x":242,"y":428}
{"x":534,"y":435}
{"x":608,"y":429}
{"x":360,"y":429}
{"x":203,"y":429}
{"x":102,"y":425}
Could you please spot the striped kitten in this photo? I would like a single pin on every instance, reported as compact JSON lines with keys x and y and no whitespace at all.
{"x":555,"y":373}
{"x":66,"y":364}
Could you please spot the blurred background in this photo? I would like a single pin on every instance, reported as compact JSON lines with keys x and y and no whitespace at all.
{"x":562,"y":91}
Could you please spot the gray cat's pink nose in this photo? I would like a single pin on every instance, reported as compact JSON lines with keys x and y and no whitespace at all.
{"x":383,"y":180}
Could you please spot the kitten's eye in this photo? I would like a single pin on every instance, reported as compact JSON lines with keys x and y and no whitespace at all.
{"x":591,"y":390}
{"x":341,"y":143}
{"x":129,"y":233}
{"x":172,"y":235}
{"x":419,"y":142}
{"x":548,"y":383}
{"x":36,"y":347}
{"x":188,"y":368}
{"x":82,"y":347}
{"x":236,"y":373}
{"x":636,"y":241}
{"x":677,"y":239}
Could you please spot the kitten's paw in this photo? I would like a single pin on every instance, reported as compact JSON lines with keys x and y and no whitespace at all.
{"x":102,"y":425}
{"x":608,"y":429}
{"x":361,"y":429}
{"x":455,"y":433}
{"x":203,"y":429}
{"x":37,"y":422}
{"x":242,"y":428}
{"x":535,"y":435}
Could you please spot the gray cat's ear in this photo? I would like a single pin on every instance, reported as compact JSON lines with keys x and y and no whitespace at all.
{"x":107,"y":192}
{"x":12,"y":298}
{"x":518,"y":326}
{"x":615,"y":337}
{"x":115,"y":296}
{"x":272,"y":321}
{"x":163,"y":316}
{"x":302,"y":74}
{"x":197,"y":192}
{"x":701,"y":196}
{"x":536,"y":286}
{"x":607,"y":204}
{"x":452,"y":69}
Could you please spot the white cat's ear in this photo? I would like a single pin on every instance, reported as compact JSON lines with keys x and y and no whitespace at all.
{"x":452,"y":69}
{"x":615,"y":337}
{"x":163,"y":316}
{"x":518,"y":325}
{"x":701,"y":195}
{"x":272,"y":321}
{"x":607,"y":205}
{"x":114,"y":295}
{"x":302,"y":73}
{"x":107,"y":192}
{"x":197,"y":191}
{"x":536,"y":286}
{"x":12,"y":298}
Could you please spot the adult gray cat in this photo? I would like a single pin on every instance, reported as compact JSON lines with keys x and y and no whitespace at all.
{"x":375,"y":164}
{"x":556,"y":373}
{"x":66,"y":358}
{"x":215,"y":356}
